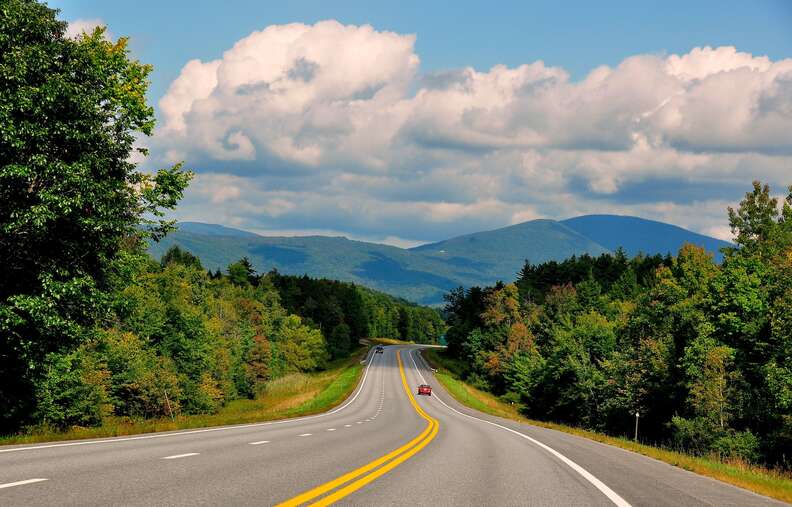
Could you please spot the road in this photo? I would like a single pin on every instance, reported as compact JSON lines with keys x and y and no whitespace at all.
{"x":383,"y":446}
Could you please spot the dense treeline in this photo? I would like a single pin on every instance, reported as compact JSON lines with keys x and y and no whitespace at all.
{"x":184,"y":341}
{"x":611,"y":272}
{"x":178,"y":342}
{"x":703,"y":352}
{"x":346,"y":312}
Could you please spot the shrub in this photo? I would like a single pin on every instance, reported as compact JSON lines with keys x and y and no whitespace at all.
{"x":693,"y":435}
{"x":742,"y":445}
{"x":73,"y":390}
{"x":143,"y":384}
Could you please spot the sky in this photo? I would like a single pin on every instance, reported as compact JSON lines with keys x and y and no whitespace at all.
{"x":409,"y":122}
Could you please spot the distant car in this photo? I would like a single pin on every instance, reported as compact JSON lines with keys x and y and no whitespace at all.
{"x":379,"y":349}
{"x":425,"y":389}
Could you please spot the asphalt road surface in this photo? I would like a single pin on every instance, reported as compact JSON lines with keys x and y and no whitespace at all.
{"x":383,"y":446}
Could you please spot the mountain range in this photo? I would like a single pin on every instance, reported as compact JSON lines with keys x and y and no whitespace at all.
{"x":424,"y":273}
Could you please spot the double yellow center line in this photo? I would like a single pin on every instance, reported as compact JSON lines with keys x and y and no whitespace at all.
{"x":356,"y":479}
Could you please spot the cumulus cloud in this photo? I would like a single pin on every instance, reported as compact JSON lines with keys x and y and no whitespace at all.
{"x":80,"y":26}
{"x":333,"y":127}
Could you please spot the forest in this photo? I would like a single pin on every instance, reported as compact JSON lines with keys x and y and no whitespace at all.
{"x":181,"y":340}
{"x":347,"y":312}
{"x":701,"y":351}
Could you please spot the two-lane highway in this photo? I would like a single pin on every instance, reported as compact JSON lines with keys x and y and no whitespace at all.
{"x":384,"y":446}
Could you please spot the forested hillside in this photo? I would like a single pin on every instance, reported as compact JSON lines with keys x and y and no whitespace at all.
{"x":703,"y":352}
{"x":181,"y":340}
{"x":641,"y":236}
{"x":347,"y":312}
{"x":423,"y":274}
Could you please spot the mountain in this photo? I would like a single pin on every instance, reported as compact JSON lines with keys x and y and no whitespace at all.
{"x":214,"y":230}
{"x":424,"y":273}
{"x":638,"y":235}
{"x":501,"y":253}
{"x":390,"y":269}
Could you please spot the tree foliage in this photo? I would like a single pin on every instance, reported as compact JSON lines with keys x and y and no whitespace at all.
{"x":346,"y":312}
{"x":702,"y":351}
{"x":70,"y":198}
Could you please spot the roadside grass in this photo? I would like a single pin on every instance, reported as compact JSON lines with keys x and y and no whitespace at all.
{"x":389,"y":341}
{"x":772,"y":483}
{"x":293,"y":395}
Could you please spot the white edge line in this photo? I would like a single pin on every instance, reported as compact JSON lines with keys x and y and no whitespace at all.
{"x":612,"y":495}
{"x":185,"y":455}
{"x":20,"y":483}
{"x":205,"y":430}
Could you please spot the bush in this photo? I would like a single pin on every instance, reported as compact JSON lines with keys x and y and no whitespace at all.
{"x":203,"y":396}
{"x":693,"y":435}
{"x":140,"y":378}
{"x":73,"y":390}
{"x":742,"y":445}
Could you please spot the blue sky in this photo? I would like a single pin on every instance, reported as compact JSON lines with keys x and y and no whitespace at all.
{"x":488,"y":170}
{"x":576,"y":35}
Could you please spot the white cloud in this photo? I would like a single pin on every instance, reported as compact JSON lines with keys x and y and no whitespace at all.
{"x":80,"y":26}
{"x":331,"y":127}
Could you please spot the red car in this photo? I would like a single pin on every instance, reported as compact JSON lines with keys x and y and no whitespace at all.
{"x":425,"y":389}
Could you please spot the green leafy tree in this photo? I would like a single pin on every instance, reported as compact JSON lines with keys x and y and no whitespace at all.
{"x":179,"y":256}
{"x":759,"y":225}
{"x":73,"y":390}
{"x":142,"y":383}
{"x":304,"y":349}
{"x":340,"y":340}
{"x":70,"y":198}
{"x":711,"y":379}
{"x":242,"y":272}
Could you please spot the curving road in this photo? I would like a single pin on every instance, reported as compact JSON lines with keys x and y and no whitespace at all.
{"x":383,"y":446}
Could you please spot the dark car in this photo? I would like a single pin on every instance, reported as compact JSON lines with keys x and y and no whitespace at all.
{"x":379,"y":349}
{"x":425,"y":389}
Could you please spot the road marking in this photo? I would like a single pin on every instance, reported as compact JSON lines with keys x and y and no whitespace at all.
{"x":359,"y":422}
{"x":330,"y":429}
{"x":612,"y":495}
{"x":347,"y":426}
{"x":388,"y":461}
{"x":205,"y":430}
{"x":260,"y":442}
{"x":21,"y":483}
{"x":305,"y":435}
{"x":186,"y":455}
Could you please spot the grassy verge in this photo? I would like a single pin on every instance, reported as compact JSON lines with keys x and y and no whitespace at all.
{"x":757,"y":479}
{"x":389,"y":341}
{"x":294,"y":395}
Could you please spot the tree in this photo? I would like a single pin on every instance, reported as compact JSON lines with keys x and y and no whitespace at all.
{"x":759,"y":227}
{"x":711,"y":380}
{"x":340,"y":341}
{"x":70,"y":198}
{"x":242,"y":272}
{"x":73,"y":390}
{"x":405,"y":324}
{"x":304,"y":349}
{"x":179,"y":256}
